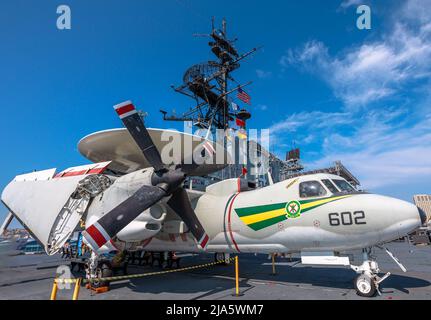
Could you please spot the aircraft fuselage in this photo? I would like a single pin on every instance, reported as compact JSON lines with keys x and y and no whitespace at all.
{"x":277,"y":219}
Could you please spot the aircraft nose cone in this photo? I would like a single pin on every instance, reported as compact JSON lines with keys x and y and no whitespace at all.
{"x":411,"y":218}
{"x":388,"y":218}
{"x":422,"y":215}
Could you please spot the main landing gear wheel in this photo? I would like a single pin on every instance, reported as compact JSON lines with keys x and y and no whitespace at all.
{"x":365,"y":286}
{"x":102,"y":271}
{"x":220,"y":256}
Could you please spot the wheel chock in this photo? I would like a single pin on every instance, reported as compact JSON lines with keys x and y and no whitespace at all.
{"x":97,"y":290}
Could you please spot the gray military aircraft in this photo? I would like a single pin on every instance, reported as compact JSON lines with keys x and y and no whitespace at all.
{"x":129,"y":199}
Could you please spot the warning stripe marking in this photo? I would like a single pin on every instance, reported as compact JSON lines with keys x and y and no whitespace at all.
{"x":125,"y":109}
{"x":204,"y":241}
{"x":229,"y":225}
{"x":97,"y":234}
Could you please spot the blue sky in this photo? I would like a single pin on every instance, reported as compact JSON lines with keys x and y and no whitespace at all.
{"x":359,"y":96}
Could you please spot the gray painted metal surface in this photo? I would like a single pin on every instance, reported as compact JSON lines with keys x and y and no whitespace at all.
{"x":20,"y":278}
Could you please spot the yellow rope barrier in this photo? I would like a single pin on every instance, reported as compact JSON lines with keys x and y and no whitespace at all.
{"x":78,"y":281}
{"x":133,"y":276}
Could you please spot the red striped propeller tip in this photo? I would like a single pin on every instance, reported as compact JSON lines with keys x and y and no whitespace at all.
{"x":204,"y":241}
{"x":125,"y":109}
{"x":96,"y":236}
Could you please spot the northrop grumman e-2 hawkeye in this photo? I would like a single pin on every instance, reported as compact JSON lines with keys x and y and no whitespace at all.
{"x":130,"y":200}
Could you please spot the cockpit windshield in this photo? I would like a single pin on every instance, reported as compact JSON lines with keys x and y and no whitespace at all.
{"x":343,"y":185}
{"x":330,"y":185}
{"x":311,"y":189}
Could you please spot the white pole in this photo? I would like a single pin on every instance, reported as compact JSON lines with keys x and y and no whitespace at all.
{"x":6,"y":223}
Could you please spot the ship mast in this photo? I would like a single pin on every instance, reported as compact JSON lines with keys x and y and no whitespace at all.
{"x":208,"y":84}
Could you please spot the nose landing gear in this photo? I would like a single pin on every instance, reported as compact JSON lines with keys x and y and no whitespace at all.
{"x":367,"y":282}
{"x":365,"y":286}
{"x":98,"y":269}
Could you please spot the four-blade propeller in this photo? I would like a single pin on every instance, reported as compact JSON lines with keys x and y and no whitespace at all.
{"x":165,"y":182}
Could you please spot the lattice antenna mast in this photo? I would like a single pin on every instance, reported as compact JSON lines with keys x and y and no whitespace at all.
{"x":208,"y":84}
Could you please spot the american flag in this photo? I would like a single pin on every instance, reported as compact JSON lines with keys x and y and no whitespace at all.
{"x":243,"y":96}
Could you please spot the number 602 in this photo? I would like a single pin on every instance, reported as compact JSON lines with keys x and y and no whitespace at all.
{"x":347,"y":218}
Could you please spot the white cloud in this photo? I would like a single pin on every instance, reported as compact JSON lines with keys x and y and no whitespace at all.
{"x":416,"y":10}
{"x":314,"y":119}
{"x":308,"y":139}
{"x":262,"y":74}
{"x":348,"y":3}
{"x":305,"y":126}
{"x":393,"y":167}
{"x":312,"y":52}
{"x":379,"y":147}
{"x":384,"y":146}
{"x":406,"y":159}
{"x":370,"y":72}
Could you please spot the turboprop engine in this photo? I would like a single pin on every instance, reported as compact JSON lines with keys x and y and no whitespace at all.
{"x":129,"y":208}
{"x":147,"y":189}
{"x":147,"y":224}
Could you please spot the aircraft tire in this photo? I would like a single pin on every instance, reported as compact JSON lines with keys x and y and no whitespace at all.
{"x":365,"y":286}
{"x":103,"y":271}
{"x":218,"y":256}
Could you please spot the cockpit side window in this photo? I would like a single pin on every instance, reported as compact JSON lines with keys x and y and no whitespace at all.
{"x":330,"y":185}
{"x":343,"y":185}
{"x":309,"y":189}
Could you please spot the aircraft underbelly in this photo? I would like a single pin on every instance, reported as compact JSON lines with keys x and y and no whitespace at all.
{"x":300,"y":239}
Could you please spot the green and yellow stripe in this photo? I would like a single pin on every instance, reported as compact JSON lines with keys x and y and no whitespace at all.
{"x":307,"y":205}
{"x":259,"y":217}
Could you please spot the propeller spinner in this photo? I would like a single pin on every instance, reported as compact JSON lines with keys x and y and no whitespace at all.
{"x":164,"y":182}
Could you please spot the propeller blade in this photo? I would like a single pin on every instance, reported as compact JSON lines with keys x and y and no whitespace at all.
{"x":104,"y":229}
{"x":180,"y":203}
{"x":206,"y":150}
{"x":134,"y":124}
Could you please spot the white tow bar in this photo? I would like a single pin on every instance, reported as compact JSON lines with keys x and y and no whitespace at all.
{"x":382,"y":279}
{"x":390,"y":254}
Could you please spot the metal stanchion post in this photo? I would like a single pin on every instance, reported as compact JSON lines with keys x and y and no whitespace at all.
{"x":54,"y":290}
{"x":237,"y":292}
{"x":76,"y":290}
{"x":273,"y":264}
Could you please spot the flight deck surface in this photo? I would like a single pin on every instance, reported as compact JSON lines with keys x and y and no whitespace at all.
{"x":31,"y":277}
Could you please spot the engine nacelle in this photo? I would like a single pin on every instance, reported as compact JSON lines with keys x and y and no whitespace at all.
{"x":147,"y":224}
